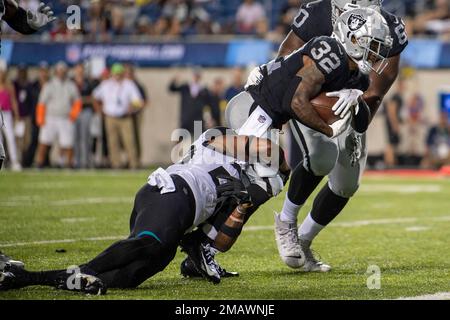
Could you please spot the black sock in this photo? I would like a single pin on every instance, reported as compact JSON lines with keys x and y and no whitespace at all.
{"x":302,"y":184}
{"x":40,"y":278}
{"x":327,"y":205}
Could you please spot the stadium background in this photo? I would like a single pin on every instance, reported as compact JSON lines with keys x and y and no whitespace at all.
{"x":164,"y":39}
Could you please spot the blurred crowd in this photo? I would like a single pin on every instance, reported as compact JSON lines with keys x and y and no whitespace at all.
{"x":103,"y":20}
{"x":90,"y":121}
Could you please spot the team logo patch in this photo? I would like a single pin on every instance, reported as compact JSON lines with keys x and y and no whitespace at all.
{"x":262,"y":119}
{"x":355,"y":22}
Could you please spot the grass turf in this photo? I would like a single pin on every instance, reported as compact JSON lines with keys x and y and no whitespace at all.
{"x":400,"y":225}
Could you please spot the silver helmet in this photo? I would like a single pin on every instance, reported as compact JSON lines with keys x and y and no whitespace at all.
{"x":338,"y":7}
{"x":365,"y":35}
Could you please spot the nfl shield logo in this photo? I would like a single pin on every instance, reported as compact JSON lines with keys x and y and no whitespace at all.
{"x":355,"y":22}
{"x":262,"y":119}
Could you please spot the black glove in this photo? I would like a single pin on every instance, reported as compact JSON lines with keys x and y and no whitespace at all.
{"x":233,"y":188}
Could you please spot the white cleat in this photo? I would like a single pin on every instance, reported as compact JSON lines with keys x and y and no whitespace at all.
{"x":311,"y":263}
{"x":288,"y":245}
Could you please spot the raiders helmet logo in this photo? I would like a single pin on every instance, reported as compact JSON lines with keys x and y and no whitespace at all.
{"x":355,"y":22}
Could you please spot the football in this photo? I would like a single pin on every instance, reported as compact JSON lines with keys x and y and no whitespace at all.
{"x":323,"y":104}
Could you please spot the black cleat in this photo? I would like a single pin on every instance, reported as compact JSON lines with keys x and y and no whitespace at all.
{"x":5,"y":260}
{"x":201,"y":257}
{"x":9,"y":281}
{"x":188,"y":270}
{"x":84,"y":283}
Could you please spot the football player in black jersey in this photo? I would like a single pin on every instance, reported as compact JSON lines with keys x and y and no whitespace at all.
{"x":288,"y":83}
{"x":25,"y":22}
{"x":342,"y":159}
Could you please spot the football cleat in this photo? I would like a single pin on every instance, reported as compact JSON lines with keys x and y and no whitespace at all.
{"x":4,"y":260}
{"x":202,"y":258}
{"x":288,"y":245}
{"x":8,"y":281}
{"x":188,"y":270}
{"x":84,"y":283}
{"x":311,"y":263}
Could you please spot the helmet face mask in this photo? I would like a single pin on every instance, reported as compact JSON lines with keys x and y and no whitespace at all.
{"x":338,"y":7}
{"x":366,"y":38}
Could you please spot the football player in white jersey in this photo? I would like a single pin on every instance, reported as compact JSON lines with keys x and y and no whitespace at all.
{"x":171,"y":204}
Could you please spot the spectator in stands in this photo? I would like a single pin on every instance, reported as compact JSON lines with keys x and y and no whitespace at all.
{"x":392,"y":112}
{"x":438,"y":144}
{"x":138,"y":114}
{"x":10,"y":113}
{"x":237,"y":84}
{"x":119,"y":98}
{"x":431,"y":19}
{"x":99,"y":20}
{"x":216,"y":103}
{"x":414,"y":129}
{"x":251,"y":18}
{"x":194,"y":98}
{"x":23,"y":89}
{"x":83,"y":138}
{"x":58,"y":109}
{"x":36,"y":87}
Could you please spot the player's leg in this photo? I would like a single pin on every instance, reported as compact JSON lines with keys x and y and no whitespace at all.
{"x":160,"y":223}
{"x":319,"y":157}
{"x":344,"y":181}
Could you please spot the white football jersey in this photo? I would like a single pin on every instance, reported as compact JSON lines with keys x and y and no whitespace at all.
{"x":200,"y":168}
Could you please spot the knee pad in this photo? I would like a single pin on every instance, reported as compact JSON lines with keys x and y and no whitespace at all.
{"x":321,"y":160}
{"x":342,"y":189}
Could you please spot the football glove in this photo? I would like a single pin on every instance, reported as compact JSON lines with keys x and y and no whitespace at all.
{"x":254,"y":78}
{"x":340,"y":126}
{"x":348,"y":98}
{"x":233,"y":188}
{"x":41,"y":17}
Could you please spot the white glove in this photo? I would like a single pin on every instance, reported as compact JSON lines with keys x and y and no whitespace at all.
{"x":340,"y":126}
{"x":41,"y":18}
{"x":348,"y":98}
{"x":255,"y":77}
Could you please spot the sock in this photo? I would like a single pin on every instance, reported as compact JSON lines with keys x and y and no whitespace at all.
{"x":41,"y":278}
{"x":290,"y":211}
{"x":309,"y":229}
{"x":209,"y":231}
{"x":327,"y":205}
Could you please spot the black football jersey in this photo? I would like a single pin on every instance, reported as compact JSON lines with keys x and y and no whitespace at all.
{"x":314,"y":20}
{"x":280,"y":82}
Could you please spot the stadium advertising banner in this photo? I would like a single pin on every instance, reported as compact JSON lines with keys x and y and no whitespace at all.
{"x":146,"y":55}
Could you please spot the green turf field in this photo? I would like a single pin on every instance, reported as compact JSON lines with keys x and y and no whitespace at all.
{"x":400,"y":225}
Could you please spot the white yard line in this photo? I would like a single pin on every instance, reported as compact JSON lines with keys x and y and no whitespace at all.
{"x":435,"y":296}
{"x":351,"y":224}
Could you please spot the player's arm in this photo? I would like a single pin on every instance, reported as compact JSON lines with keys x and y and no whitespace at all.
{"x":291,"y":43}
{"x":380,"y":85}
{"x":311,"y":81}
{"x":27,"y":22}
